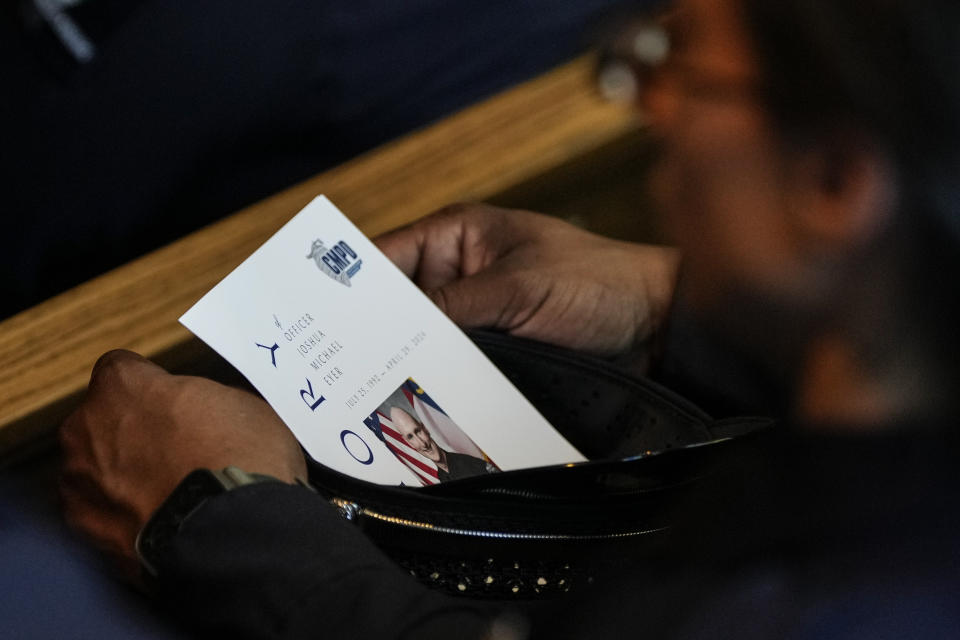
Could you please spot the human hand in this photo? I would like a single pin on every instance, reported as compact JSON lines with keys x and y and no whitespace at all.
{"x":140,"y":430}
{"x":536,"y":277}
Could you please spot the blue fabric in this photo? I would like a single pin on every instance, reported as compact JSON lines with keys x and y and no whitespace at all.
{"x":53,"y":585}
{"x":189,"y":110}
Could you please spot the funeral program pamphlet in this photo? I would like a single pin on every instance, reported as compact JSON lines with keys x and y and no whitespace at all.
{"x":371,"y":377}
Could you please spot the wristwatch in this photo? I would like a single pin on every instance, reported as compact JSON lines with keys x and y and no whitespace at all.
{"x":154,"y":540}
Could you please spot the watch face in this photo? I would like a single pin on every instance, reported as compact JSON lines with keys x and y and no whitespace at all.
{"x":156,"y":537}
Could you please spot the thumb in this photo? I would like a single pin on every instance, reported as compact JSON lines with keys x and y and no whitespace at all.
{"x":404,"y":247}
{"x":122,"y":369}
{"x":486,"y":299}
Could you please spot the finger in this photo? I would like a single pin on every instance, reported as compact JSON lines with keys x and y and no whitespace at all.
{"x":92,"y":508}
{"x":70,"y":433}
{"x":117,"y":356}
{"x":106,"y":530}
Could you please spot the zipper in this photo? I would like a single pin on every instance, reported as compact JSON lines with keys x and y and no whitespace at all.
{"x":352,"y":512}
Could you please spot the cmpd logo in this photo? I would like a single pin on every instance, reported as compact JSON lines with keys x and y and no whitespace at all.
{"x":340,"y":262}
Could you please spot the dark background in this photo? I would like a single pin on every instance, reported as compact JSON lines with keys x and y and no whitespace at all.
{"x":188,"y":111}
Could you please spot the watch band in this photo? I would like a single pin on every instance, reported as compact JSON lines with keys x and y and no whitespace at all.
{"x":154,"y":540}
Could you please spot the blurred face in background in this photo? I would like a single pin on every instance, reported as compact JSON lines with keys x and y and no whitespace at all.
{"x":729,"y":191}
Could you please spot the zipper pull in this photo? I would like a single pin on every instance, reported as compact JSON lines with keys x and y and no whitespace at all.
{"x":348,"y":510}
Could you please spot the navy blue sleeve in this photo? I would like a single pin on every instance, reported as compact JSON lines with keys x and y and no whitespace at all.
{"x":277,"y":561}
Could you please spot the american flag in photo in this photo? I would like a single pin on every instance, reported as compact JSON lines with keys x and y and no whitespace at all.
{"x":423,"y":468}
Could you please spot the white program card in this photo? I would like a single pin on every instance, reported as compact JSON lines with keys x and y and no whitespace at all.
{"x":371,"y":377}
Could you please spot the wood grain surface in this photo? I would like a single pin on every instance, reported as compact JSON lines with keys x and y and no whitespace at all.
{"x":46,"y":352}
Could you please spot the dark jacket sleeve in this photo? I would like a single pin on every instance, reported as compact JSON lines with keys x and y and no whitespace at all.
{"x":277,"y":561}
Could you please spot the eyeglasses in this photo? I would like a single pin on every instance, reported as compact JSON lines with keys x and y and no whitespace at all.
{"x":629,"y":60}
{"x":632,"y":60}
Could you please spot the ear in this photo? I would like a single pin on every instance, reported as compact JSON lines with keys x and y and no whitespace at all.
{"x":848,"y":192}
